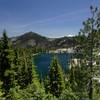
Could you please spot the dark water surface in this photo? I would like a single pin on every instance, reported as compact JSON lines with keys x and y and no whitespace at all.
{"x":42,"y":62}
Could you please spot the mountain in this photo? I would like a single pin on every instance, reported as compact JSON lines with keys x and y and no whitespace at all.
{"x":30,"y":39}
{"x":64,"y":42}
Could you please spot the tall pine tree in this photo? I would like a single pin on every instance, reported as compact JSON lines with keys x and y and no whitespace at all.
{"x":55,"y":82}
{"x":5,"y":63}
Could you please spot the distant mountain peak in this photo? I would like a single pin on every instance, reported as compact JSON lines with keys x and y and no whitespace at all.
{"x":30,"y":39}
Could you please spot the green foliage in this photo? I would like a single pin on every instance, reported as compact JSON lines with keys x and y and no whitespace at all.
{"x":1,"y":92}
{"x":15,"y":93}
{"x":68,"y":94}
{"x":23,"y":67}
{"x":79,"y":79}
{"x":20,"y":80}
{"x":91,"y":30}
{"x":96,"y":92}
{"x":6,"y":59}
{"x":50,"y":97}
{"x":55,"y":83}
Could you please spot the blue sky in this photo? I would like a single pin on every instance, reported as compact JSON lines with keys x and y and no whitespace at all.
{"x":52,"y":18}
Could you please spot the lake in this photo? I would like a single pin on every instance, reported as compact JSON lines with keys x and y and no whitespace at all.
{"x":42,"y":62}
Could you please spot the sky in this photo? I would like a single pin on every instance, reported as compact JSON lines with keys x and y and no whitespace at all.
{"x":51,"y":18}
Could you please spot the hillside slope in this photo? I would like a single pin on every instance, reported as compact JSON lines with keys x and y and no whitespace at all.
{"x":34,"y":39}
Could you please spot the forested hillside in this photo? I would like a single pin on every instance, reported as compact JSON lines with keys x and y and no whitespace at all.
{"x":31,"y":39}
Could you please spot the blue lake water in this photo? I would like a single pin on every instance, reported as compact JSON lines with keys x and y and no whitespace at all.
{"x":42,"y":62}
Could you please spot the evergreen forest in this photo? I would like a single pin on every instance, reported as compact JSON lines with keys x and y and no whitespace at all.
{"x":19,"y":78}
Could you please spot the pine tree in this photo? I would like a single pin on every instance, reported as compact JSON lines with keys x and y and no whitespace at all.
{"x":28,"y":85}
{"x":6,"y":59}
{"x":34,"y":90}
{"x":24,"y":67}
{"x":55,"y":83}
{"x":90,"y":30}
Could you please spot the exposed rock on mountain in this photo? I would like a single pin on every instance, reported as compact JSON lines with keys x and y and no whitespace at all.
{"x":34,"y":39}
